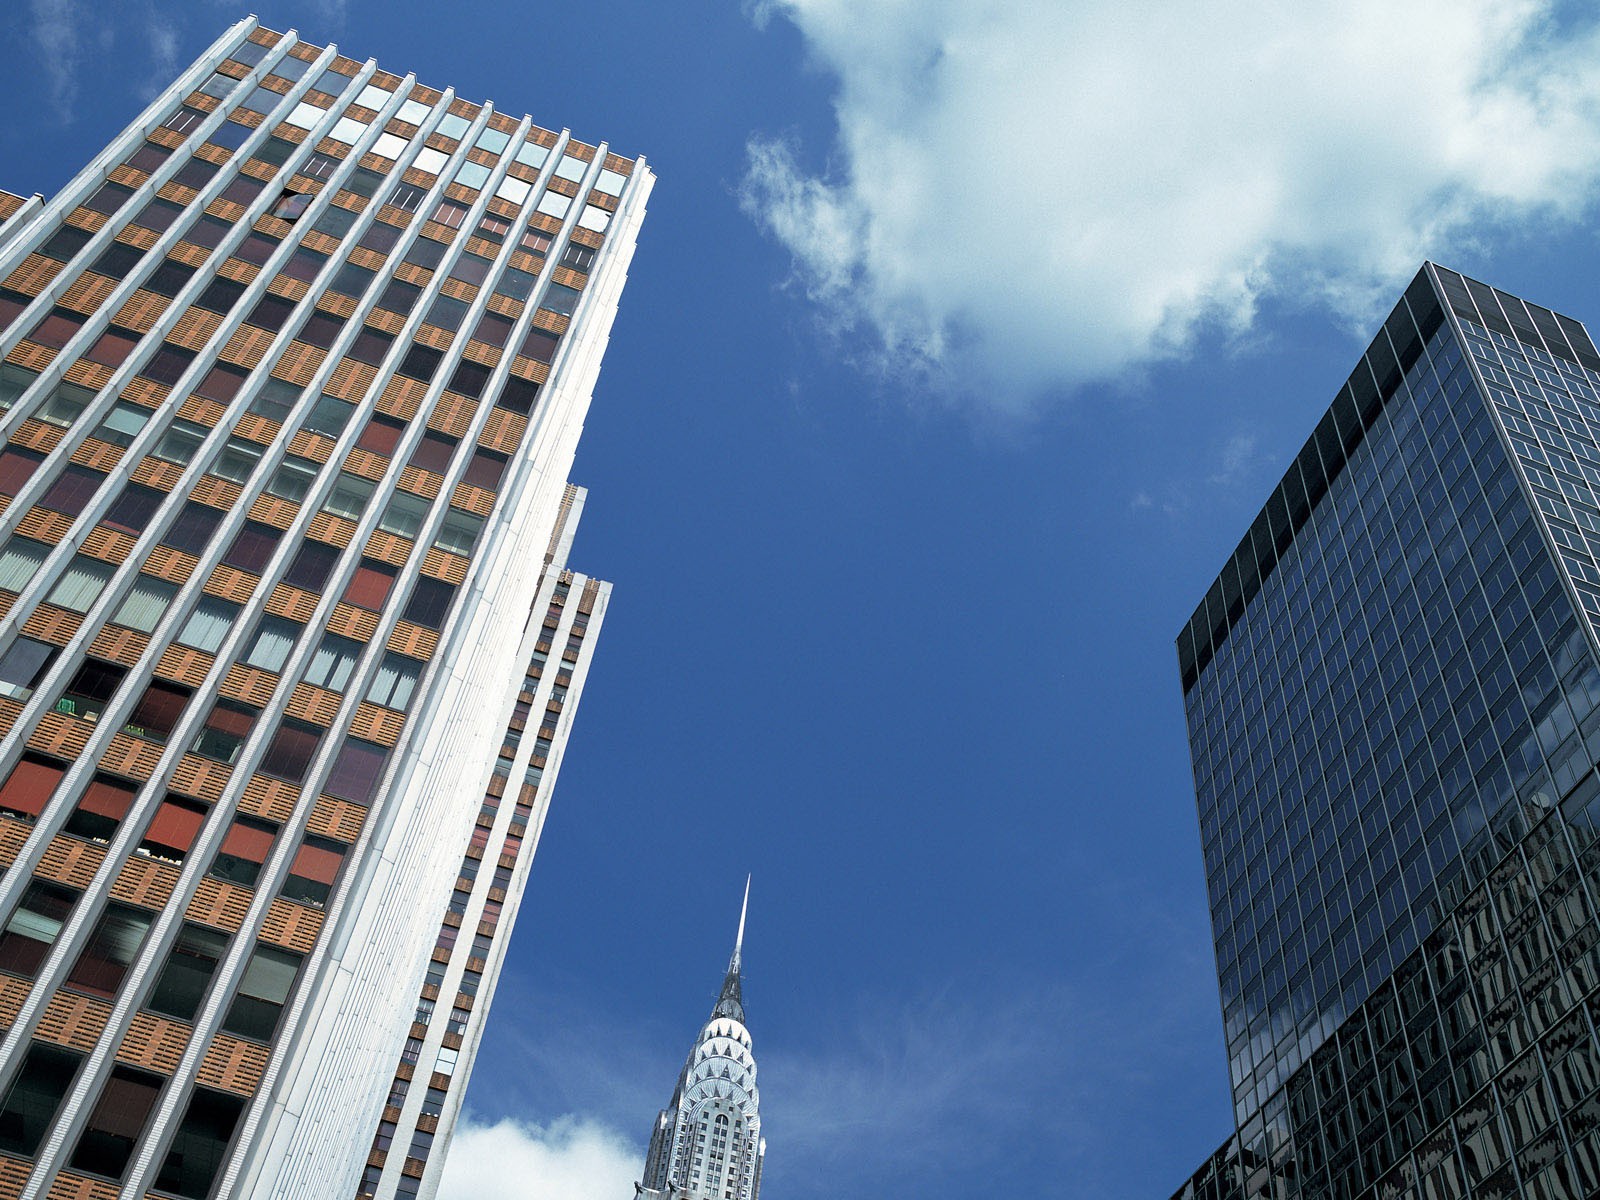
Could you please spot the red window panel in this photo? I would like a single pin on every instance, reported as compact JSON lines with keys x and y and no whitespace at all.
{"x":317,"y":864}
{"x":174,"y":827}
{"x":291,"y":750}
{"x":247,"y":842}
{"x":28,"y":787}
{"x":369,"y":586}
{"x":112,"y":347}
{"x":159,"y":709}
{"x":381,"y":435}
{"x":356,"y":771}
{"x":16,"y":468}
{"x":107,"y":798}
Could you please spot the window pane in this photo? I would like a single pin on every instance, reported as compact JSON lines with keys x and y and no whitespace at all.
{"x":173,"y":828}
{"x":35,"y":1096}
{"x":104,"y":961}
{"x":186,"y":975}
{"x":34,"y":926}
{"x":334,"y":662}
{"x":101,"y":809}
{"x":274,"y":640}
{"x":291,"y":750}
{"x":30,"y":785}
{"x":145,"y":604}
{"x":81,"y":583}
{"x":208,"y":626}
{"x":200,"y":1146}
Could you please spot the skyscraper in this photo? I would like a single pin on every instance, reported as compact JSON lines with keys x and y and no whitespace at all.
{"x":707,"y":1143}
{"x":1393,"y":700}
{"x":293,"y":377}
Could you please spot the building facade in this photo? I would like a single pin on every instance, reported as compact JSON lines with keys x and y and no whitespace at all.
{"x":707,"y":1143}
{"x":292,"y":375}
{"x":1393,"y":700}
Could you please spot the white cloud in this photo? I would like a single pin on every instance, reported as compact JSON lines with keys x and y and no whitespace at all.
{"x":569,"y":1159}
{"x":54,"y":26}
{"x":1027,"y":195}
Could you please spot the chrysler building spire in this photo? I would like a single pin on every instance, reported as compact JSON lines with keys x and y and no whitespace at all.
{"x":707,"y":1142}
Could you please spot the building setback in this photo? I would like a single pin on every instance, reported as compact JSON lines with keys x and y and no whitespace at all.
{"x":707,"y":1143}
{"x":293,"y":376}
{"x":1393,"y":701}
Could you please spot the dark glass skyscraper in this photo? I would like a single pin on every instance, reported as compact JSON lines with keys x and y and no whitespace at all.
{"x":1393,"y":700}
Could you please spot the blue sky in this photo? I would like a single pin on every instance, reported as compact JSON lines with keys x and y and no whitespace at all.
{"x":963,"y":342}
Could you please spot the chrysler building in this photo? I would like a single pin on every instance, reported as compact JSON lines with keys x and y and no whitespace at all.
{"x":707,"y":1142}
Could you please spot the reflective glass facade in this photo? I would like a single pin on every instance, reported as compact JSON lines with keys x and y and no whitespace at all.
{"x":1391,"y":694}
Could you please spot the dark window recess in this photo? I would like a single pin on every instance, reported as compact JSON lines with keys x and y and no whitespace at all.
{"x":380,"y":236}
{"x":264,"y":990}
{"x":256,"y":248}
{"x":221,"y":383}
{"x":34,"y":1097}
{"x":101,"y":809}
{"x":446,"y":312}
{"x":244,"y":848}
{"x":229,"y":136}
{"x":158,"y":215}
{"x":356,"y":771}
{"x":242,"y":190}
{"x":195,"y":173}
{"x":208,"y":231}
{"x":399,"y":297}
{"x":117,"y":1122}
{"x":168,"y":364}
{"x":193,"y":527}
{"x":471,"y":268}
{"x":64,"y":243}
{"x":433,"y":452}
{"x":225,"y":731}
{"x":17,"y":466}
{"x":320,"y":329}
{"x":351,"y":280}
{"x":23,"y":665}
{"x":72,"y":490}
{"x":132,"y":511}
{"x":335,"y":222}
{"x":91,"y":689}
{"x":275,"y":400}
{"x":559,"y":298}
{"x":272,"y":313}
{"x":220,"y":295}
{"x":369,"y":586}
{"x":185,"y":976}
{"x":159,"y":710}
{"x":113,"y":945}
{"x":312,"y":566}
{"x":539,"y":346}
{"x":578,"y":258}
{"x":34,"y":926}
{"x":173,"y":828}
{"x":364,"y":182}
{"x":291,"y":206}
{"x":518,"y":285}
{"x":329,"y":415}
{"x":291,"y":750}
{"x":420,"y":363}
{"x":118,"y":261}
{"x":29,"y":786}
{"x":12,"y":305}
{"x":111,"y":348}
{"x":430,"y":602}
{"x":469,"y":379}
{"x":370,"y":346}
{"x":252,"y":547}
{"x":304,"y":265}
{"x":485,"y":469}
{"x":381,"y":435}
{"x":200,"y":1146}
{"x":518,"y":395}
{"x":426,"y":253}
{"x":493,"y":329}
{"x":168,"y":279}
{"x":57,"y":328}
{"x":311,"y":876}
{"x":148,"y":157}
{"x":274,"y":151}
{"x":108,"y":198}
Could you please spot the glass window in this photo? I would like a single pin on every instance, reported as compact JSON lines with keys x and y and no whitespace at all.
{"x":369,"y":586}
{"x":264,"y":990}
{"x":334,"y":662}
{"x":536,"y":241}
{"x":207,"y":231}
{"x":186,"y":975}
{"x":274,"y":152}
{"x":273,"y":643}
{"x":108,"y":198}
{"x":312,"y":565}
{"x":293,"y":478}
{"x":610,"y":183}
{"x":270,"y":313}
{"x":329,"y":416}
{"x":244,"y":848}
{"x":100,"y":811}
{"x":471,"y":268}
{"x":518,"y":285}
{"x":420,"y":363}
{"x":220,"y":295}
{"x":22,"y":665}
{"x":446,"y":312}
{"x":34,"y":926}
{"x":31,"y":1102}
{"x":209,"y":625}
{"x":221,"y":383}
{"x":395,"y":682}
{"x":364,"y":182}
{"x":17,"y":466}
{"x":404,"y":515}
{"x":225,"y":730}
{"x":158,"y":215}
{"x":469,"y":379}
{"x":370,"y":346}
{"x":381,"y":435}
{"x":200,"y":1147}
{"x":389,"y":146}
{"x":195,"y":173}
{"x":559,"y":298}
{"x":291,"y":750}
{"x":539,"y":346}
{"x":425,"y":252}
{"x":168,"y":279}
{"x":493,"y":329}
{"x":514,"y":190}
{"x":453,"y":126}
{"x":430,"y":602}
{"x":336,"y":222}
{"x":252,"y":547}
{"x":29,"y":786}
{"x":347,"y":130}
{"x":229,"y":136}
{"x":518,"y":395}
{"x":193,"y":527}
{"x":91,"y":688}
{"x":554,"y":204}
{"x":64,"y":243}
{"x":485,"y":469}
{"x":173,"y":828}
{"x":14,"y":381}
{"x":57,"y":328}
{"x":145,"y":604}
{"x":218,"y":86}
{"x":472,"y":175}
{"x":321,"y":166}
{"x":459,"y":531}
{"x":20,"y":562}
{"x":351,"y":280}
{"x":571,"y":168}
{"x":66,"y":404}
{"x":356,"y":771}
{"x":81,"y":583}
{"x":430,"y":160}
{"x":433,"y":452}
{"x":118,"y":261}
{"x":304,"y":116}
{"x":349,"y":496}
{"x":237,"y":458}
{"x":158,"y":711}
{"x":181,"y":440}
{"x":275,"y":400}
{"x":122,"y":424}
{"x":113,"y":945}
{"x":412,"y":112}
{"x":531,"y":155}
{"x":320,"y":329}
{"x":256,"y":248}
